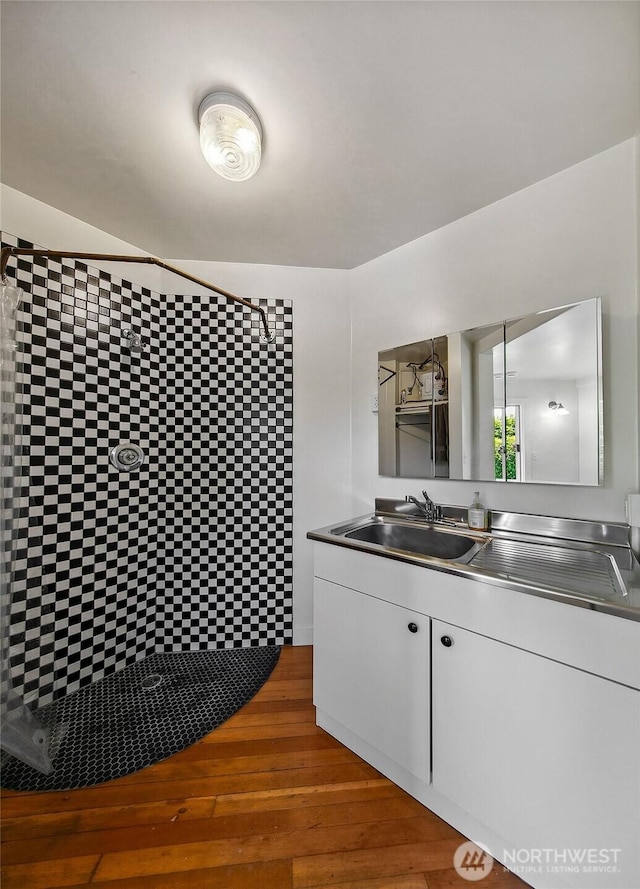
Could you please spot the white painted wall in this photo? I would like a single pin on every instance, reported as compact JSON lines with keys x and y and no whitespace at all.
{"x":570,"y":237}
{"x":52,"y":229}
{"x":321,"y":383}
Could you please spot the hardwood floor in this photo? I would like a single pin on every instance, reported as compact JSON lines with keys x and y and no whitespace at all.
{"x":266,"y":801}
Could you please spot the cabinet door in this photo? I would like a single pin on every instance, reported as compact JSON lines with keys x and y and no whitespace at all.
{"x":371,"y":672}
{"x":544,"y":754}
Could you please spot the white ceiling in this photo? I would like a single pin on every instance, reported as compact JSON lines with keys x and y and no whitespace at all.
{"x":383,"y":120}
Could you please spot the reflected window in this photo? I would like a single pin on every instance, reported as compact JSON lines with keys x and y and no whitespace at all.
{"x":507,"y":439}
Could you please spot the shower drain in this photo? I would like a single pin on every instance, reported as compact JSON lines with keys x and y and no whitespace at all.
{"x":151,"y":681}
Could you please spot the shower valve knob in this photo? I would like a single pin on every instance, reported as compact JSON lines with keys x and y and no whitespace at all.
{"x":126,"y":457}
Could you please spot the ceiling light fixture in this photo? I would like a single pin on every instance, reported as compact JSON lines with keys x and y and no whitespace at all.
{"x":558,"y":407}
{"x":230,"y":136}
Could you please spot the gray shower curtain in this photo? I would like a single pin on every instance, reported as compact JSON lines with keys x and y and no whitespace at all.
{"x":21,"y":734}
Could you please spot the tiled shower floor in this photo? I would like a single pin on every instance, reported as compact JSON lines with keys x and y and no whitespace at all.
{"x":141,"y":714}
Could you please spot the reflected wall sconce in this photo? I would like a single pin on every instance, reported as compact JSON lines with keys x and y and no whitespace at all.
{"x":230,"y":136}
{"x":558,"y":407}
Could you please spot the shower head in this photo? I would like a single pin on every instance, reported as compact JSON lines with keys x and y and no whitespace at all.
{"x":133,"y":341}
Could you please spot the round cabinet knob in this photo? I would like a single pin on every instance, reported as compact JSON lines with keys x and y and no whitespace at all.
{"x":413,"y":628}
{"x":447,"y":641}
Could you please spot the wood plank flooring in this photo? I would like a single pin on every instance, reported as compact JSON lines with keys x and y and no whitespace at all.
{"x":266,"y":801}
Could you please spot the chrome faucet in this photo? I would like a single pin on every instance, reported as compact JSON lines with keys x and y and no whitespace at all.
{"x":430,"y":510}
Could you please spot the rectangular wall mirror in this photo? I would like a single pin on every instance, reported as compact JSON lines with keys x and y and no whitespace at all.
{"x":516,"y":401}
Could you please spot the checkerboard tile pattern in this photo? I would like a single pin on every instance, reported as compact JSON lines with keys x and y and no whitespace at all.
{"x":194,"y":550}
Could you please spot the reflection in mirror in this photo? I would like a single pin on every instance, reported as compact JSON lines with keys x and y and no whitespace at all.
{"x":479,"y":361}
{"x":514,"y":401}
{"x":552,"y":396}
{"x":413,"y":410}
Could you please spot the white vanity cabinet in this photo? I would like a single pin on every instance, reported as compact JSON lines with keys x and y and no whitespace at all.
{"x":522,"y":730}
{"x":371,"y":672}
{"x":544,"y":753}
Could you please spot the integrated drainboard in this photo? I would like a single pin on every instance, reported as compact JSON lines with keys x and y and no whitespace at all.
{"x":577,"y":571}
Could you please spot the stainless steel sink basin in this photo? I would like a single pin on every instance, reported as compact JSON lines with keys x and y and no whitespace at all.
{"x":416,"y":539}
{"x":425,"y":541}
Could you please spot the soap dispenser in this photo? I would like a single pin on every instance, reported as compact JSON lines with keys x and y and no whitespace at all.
{"x":477,"y":515}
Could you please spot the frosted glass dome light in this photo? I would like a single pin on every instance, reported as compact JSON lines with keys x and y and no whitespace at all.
{"x":230,"y":136}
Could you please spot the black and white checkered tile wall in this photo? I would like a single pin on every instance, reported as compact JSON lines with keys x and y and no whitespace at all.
{"x":194,"y":550}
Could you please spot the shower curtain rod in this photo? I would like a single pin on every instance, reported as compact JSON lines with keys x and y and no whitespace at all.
{"x":7,"y":252}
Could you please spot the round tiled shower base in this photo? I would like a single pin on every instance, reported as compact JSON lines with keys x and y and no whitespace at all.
{"x":141,"y":714}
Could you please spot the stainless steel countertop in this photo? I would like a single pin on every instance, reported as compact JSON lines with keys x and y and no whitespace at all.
{"x":581,"y":563}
